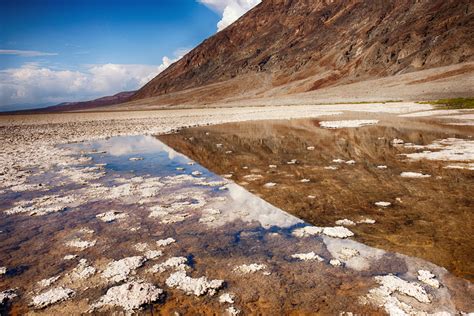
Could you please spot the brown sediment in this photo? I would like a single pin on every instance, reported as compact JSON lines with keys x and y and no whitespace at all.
{"x":433,"y":220}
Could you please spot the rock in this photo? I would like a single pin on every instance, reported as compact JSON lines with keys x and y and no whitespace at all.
{"x":118,"y":271}
{"x":52,"y":296}
{"x":130,"y":296}
{"x":196,"y":286}
{"x":249,"y":268}
{"x":428,"y":278}
{"x":307,"y":256}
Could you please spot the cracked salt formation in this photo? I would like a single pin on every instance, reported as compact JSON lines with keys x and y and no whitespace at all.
{"x":194,"y":286}
{"x":42,"y":205}
{"x":347,"y":123}
{"x":130,"y":296}
{"x":111,"y":216}
{"x":51,"y":297}
{"x":249,"y":268}
{"x":117,"y":271}
{"x":414,"y":175}
{"x":310,"y":256}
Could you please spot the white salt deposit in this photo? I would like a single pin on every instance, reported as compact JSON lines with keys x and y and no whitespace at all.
{"x":135,"y":158}
{"x":69,"y":257}
{"x":81,"y":244}
{"x":195,"y":286}
{"x":249,"y":268}
{"x":269,"y":185}
{"x":52,"y":296}
{"x":335,"y":262}
{"x":450,"y":149}
{"x":232,"y":311}
{"x":310,"y":256}
{"x":305,"y":180}
{"x":383,"y":204}
{"x":117,"y":271}
{"x":345,"y":222}
{"x":3,"y":270}
{"x":366,"y":221}
{"x":337,"y":232}
{"x":7,"y":295}
{"x":174,"y":263}
{"x":429,"y":278}
{"x":48,"y":282}
{"x":381,"y":167}
{"x":227,"y":298}
{"x":83,"y":270}
{"x":165,"y":242}
{"x":347,"y":123}
{"x":397,"y":141}
{"x":310,"y":148}
{"x":252,"y":177}
{"x":347,"y":253}
{"x":415,"y":175}
{"x":111,"y":216}
{"x":130,"y":296}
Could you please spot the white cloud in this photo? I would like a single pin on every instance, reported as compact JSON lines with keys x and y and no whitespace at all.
{"x":25,"y":53}
{"x":36,"y":84}
{"x":230,"y":10}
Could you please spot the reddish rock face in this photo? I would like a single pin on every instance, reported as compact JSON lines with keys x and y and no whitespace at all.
{"x":318,"y":43}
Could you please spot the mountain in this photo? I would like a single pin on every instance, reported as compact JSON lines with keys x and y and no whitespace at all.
{"x":283,"y":47}
{"x":77,"y":106}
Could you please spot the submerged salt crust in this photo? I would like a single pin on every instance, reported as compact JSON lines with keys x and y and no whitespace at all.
{"x":237,"y":207}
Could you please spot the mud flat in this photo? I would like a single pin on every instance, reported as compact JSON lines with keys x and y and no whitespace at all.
{"x":86,"y":228}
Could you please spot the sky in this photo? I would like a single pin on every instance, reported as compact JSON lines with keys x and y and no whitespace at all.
{"x":53,"y":51}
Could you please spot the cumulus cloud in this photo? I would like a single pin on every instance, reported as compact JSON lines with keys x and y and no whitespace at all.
{"x":25,"y":53}
{"x":36,"y":84}
{"x":230,"y":10}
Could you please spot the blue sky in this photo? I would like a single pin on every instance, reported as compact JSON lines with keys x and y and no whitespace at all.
{"x":53,"y":51}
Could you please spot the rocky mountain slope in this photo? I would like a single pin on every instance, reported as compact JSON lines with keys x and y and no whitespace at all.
{"x":292,"y":46}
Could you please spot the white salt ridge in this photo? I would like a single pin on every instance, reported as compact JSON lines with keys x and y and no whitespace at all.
{"x":347,"y":123}
{"x":51,"y":297}
{"x":249,"y":268}
{"x":466,"y":166}
{"x":335,"y":232}
{"x":310,"y":256}
{"x":48,"y":282}
{"x":330,"y":168}
{"x":429,"y":278}
{"x":81,"y":244}
{"x":117,"y":271}
{"x":174,"y":263}
{"x":383,"y":204}
{"x":130,"y":296}
{"x":193,"y":286}
{"x":227,"y":298}
{"x":111,"y":216}
{"x":414,"y":175}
